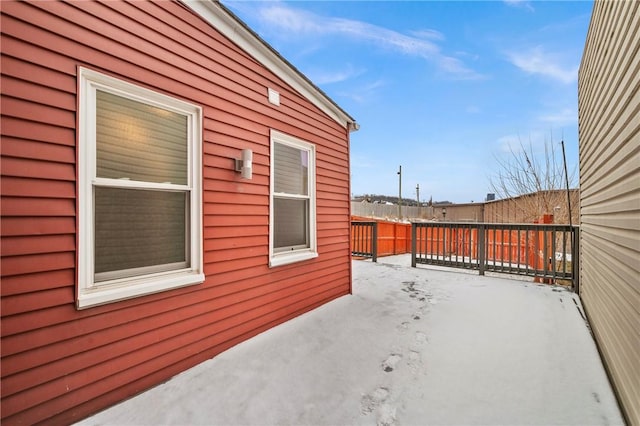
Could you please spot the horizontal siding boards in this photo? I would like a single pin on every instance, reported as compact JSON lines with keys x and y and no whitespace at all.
{"x":53,"y":341}
{"x":609,"y":128}
{"x":610,"y":118}
{"x":40,"y":188}
{"x":124,"y":379}
{"x":38,"y":141}
{"x":29,"y":283}
{"x":623,"y":60}
{"x":225,"y":313}
{"x":54,"y":357}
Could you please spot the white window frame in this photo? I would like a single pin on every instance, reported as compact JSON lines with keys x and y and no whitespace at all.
{"x":301,"y":254}
{"x":92,"y":293}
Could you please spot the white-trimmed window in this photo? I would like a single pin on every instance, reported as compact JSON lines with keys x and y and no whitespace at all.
{"x":140,"y":196}
{"x":292,"y":223}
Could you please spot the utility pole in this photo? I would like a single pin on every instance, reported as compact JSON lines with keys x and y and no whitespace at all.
{"x":418,"y":194}
{"x":400,"y":193}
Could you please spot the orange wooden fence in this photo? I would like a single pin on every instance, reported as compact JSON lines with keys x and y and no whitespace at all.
{"x":393,"y":237}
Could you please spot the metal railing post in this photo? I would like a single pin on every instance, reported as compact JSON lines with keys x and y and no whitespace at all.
{"x":481,"y":248}
{"x":374,"y":243}
{"x":414,"y":227}
{"x":444,"y":244}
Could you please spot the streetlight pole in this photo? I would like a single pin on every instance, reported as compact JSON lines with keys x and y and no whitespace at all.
{"x":418,"y":194}
{"x":400,"y":193}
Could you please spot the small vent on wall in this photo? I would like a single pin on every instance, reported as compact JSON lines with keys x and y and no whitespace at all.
{"x":274,"y":97}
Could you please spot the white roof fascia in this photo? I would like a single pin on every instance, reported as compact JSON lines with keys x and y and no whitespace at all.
{"x":233,"y":28}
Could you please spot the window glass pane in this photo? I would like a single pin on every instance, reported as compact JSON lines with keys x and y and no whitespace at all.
{"x":290,"y":223}
{"x":136,"y":228}
{"x":291,"y":170}
{"x":140,"y":142}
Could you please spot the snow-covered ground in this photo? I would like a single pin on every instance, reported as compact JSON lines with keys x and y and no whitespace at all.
{"x":411,"y":346}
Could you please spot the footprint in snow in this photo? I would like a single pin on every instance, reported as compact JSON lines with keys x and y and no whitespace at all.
{"x":386,"y":415}
{"x":420,"y":338}
{"x":372,"y":400}
{"x":402,"y":328}
{"x":424,"y":308}
{"x":415,"y":362}
{"x":390,"y":363}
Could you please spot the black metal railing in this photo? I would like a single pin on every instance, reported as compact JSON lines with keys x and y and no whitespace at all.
{"x":364,"y":239}
{"x":547,"y":252}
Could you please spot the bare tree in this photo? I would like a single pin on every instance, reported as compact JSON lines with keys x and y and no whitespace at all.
{"x":533,"y":182}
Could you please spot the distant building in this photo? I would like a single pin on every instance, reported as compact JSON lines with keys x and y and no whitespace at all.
{"x":511,"y":210}
{"x":528,"y":208}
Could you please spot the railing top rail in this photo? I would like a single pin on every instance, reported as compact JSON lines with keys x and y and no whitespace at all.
{"x":492,"y":225}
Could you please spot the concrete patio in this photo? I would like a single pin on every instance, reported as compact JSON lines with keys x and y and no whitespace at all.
{"x":410,"y":346}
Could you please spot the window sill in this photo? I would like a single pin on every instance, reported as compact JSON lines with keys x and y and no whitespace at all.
{"x":127,"y":289}
{"x":287,"y":258}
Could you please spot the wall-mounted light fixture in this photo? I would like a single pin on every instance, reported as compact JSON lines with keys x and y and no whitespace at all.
{"x":244,"y":164}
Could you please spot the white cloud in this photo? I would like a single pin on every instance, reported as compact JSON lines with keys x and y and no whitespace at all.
{"x":509,"y":143}
{"x":365,"y":92}
{"x":329,"y":77}
{"x":291,"y":20}
{"x":471,"y":56}
{"x":420,"y":44}
{"x":429,"y":34}
{"x":537,"y":61}
{"x":523,"y":4}
{"x":514,"y":143}
{"x":562,"y":117}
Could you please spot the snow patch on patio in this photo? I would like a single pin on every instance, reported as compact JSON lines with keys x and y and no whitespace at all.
{"x":410,"y":346}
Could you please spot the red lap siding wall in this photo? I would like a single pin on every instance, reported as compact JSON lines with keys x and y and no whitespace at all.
{"x":61,"y":364}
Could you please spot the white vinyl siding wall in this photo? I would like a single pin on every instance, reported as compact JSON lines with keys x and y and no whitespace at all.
{"x":609,"y":129}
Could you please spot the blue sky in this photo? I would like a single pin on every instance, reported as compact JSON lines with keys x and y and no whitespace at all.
{"x":443,"y":88}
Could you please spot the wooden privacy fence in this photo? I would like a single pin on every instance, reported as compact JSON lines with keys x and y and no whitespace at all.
{"x":392,"y":237}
